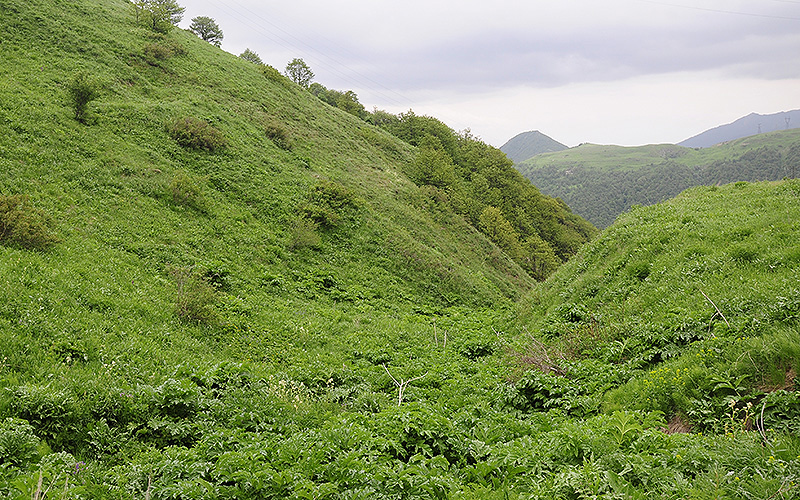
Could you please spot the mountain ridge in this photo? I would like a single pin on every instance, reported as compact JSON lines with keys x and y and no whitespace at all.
{"x":745,"y":126}
{"x":602,"y":181}
{"x":528,"y":144}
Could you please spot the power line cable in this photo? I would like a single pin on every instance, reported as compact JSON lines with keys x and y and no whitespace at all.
{"x":724,"y":11}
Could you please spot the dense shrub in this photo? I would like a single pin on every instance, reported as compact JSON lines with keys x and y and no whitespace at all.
{"x":18,"y":443}
{"x":161,"y":51}
{"x":278,"y":135}
{"x":55,"y":414}
{"x":328,"y":202}
{"x":304,"y":234}
{"x":186,"y":190}
{"x":24,"y":226}
{"x":197,"y":134}
{"x":195,"y":297}
{"x":83,"y":89}
{"x":273,"y":74}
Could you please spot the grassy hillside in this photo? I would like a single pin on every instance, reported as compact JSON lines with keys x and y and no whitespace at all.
{"x":215,"y":286}
{"x":114,"y":178}
{"x":689,"y":309}
{"x":600,"y":182}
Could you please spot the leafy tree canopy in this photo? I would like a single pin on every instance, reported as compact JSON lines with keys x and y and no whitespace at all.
{"x":481,"y":184}
{"x":207,"y":29}
{"x":249,"y":55}
{"x":300,"y":72}
{"x":159,"y":15}
{"x":344,"y":100}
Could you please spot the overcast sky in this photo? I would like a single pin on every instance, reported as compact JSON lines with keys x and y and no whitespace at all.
{"x":625,"y":72}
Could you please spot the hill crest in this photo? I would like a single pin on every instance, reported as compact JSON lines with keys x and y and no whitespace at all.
{"x":528,"y":144}
{"x":745,"y":126}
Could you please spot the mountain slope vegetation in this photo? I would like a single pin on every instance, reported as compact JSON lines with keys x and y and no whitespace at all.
{"x":600,"y":182}
{"x":529,"y":144}
{"x":213,"y":285}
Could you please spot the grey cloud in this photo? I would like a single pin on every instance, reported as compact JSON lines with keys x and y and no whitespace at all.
{"x":593,"y":55}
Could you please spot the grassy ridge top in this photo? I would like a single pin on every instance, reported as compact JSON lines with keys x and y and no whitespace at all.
{"x":600,"y":182}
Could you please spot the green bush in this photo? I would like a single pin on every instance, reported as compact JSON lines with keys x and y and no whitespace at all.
{"x":24,"y":226}
{"x":272,"y":74}
{"x":304,"y":234}
{"x":328,"y":202}
{"x":161,"y":51}
{"x":56,"y":414}
{"x":195,"y":297}
{"x":18,"y":443}
{"x":186,"y":190}
{"x":83,"y":89}
{"x":278,"y":135}
{"x":194,"y":133}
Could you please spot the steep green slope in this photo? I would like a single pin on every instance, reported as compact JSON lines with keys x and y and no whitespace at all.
{"x":115,"y":174}
{"x":707,"y":281}
{"x":600,"y":182}
{"x":289,"y":316}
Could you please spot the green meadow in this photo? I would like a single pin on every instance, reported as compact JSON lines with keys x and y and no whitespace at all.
{"x":214,"y":285}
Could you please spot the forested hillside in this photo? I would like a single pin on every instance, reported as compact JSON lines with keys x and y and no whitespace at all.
{"x":216,"y":285}
{"x":600,"y":182}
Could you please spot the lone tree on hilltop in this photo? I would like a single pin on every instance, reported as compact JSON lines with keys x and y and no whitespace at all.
{"x":159,"y":15}
{"x":249,"y":55}
{"x":207,"y":29}
{"x":299,"y":72}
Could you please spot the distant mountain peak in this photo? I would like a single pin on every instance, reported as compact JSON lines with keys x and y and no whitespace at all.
{"x":529,"y":144}
{"x":752,"y":124}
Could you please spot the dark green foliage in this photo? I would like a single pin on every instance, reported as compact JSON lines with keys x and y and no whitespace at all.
{"x":328,"y":203}
{"x":195,"y":296}
{"x":272,"y":74}
{"x":83,"y":89}
{"x":207,"y":29}
{"x":188,"y":191}
{"x":159,"y":15}
{"x":23,"y":225}
{"x":55,"y":414}
{"x":157,"y":52}
{"x":18,"y":443}
{"x":304,"y":234}
{"x":433,"y":166}
{"x":474,"y":178}
{"x":278,"y":135}
{"x":601,"y":182}
{"x":249,"y":55}
{"x":196,"y":134}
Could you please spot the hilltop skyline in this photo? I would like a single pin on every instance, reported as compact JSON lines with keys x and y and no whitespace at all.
{"x":625,"y":72}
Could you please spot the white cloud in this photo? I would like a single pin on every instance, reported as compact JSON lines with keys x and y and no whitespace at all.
{"x":578,"y":70}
